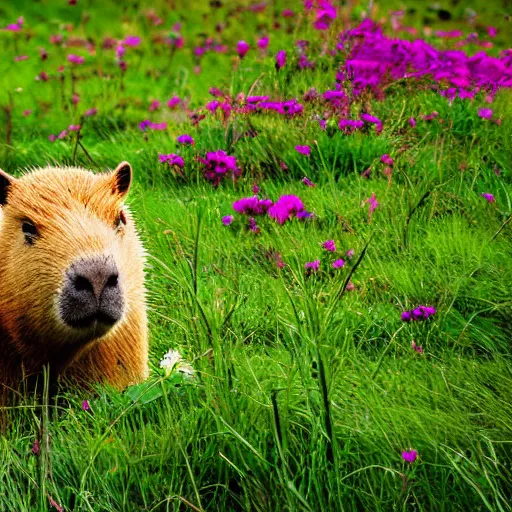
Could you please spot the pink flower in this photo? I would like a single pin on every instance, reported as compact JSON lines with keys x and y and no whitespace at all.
{"x":52,"y":138}
{"x":338,"y":263}
{"x":173,"y":102}
{"x":373,"y":203}
{"x":416,"y":348}
{"x":185,"y":139}
{"x":350,"y":253}
{"x":329,"y":245}
{"x":303,"y":150}
{"x":489,"y":197}
{"x":91,"y":112}
{"x":307,"y":182}
{"x":280,"y":59}
{"x":35,"y":447}
{"x":350,"y":286}
{"x":172,"y":159}
{"x":19,"y":58}
{"x":242,"y":48}
{"x":131,"y":41}
{"x":75,"y":59}
{"x":154,"y":105}
{"x":74,"y":127}
{"x":485,"y":113}
{"x":86,"y":406}
{"x":15,"y":27}
{"x":492,"y":31}
{"x":75,"y":99}
{"x":386,"y":159}
{"x":412,"y":122}
{"x":312,"y":265}
{"x":263,"y":42}
{"x":227,"y":220}
{"x":367,"y":118}
{"x":410,"y":456}
{"x":27,"y":112}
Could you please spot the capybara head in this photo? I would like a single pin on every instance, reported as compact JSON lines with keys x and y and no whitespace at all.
{"x":71,"y":261}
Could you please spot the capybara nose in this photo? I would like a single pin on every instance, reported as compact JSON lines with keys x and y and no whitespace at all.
{"x":91,"y":293}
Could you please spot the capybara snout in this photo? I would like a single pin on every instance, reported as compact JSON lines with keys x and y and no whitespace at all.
{"x":92,"y":296}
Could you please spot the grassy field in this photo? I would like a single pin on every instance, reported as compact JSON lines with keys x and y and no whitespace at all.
{"x":307,"y":385}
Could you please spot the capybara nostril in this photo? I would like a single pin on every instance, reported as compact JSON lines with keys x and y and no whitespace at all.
{"x":91,"y":293}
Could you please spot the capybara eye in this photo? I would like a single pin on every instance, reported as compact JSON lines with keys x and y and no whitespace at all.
{"x":121,"y":220}
{"x":30,"y":231}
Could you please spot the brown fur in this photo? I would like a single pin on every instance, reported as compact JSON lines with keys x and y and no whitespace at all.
{"x":75,"y":212}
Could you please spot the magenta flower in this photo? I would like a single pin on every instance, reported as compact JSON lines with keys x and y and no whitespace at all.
{"x":325,"y":14}
{"x":242,"y":48}
{"x":154,"y":105}
{"x":307,"y":182}
{"x":416,"y":348}
{"x":75,"y":59}
{"x":255,"y":189}
{"x":120,"y":51}
{"x":418,"y":314}
{"x":252,"y":206}
{"x":35,"y":447}
{"x":350,"y":253}
{"x":62,"y":135}
{"x":386,"y":159}
{"x":75,"y":99}
{"x":410,"y":456}
{"x":350,"y":125}
{"x":373,"y":203}
{"x":253,"y":226}
{"x":152,"y":126}
{"x":19,"y":58}
{"x":263,"y":42}
{"x":91,"y":112}
{"x":173,"y":102}
{"x":52,"y":137}
{"x":329,"y":245}
{"x":287,"y":13}
{"x":172,"y":159}
{"x":86,"y":406}
{"x":339,"y":263}
{"x":185,"y":139}
{"x":303,"y":150}
{"x":285,"y":208}
{"x":227,"y":220}
{"x":280,"y":59}
{"x":74,"y":127}
{"x":489,"y":197}
{"x":312,"y":265}
{"x":131,"y":41}
{"x":431,"y":116}
{"x":367,"y":118}
{"x":492,"y":31}
{"x":27,"y":112}
{"x":218,"y":165}
{"x":15,"y":27}
{"x":412,"y":122}
{"x":485,"y":113}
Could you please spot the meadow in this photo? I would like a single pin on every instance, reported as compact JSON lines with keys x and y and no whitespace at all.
{"x":335,"y":287}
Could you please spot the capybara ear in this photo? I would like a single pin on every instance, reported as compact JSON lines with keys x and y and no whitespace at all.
{"x":6,"y":181}
{"x":122,"y":179}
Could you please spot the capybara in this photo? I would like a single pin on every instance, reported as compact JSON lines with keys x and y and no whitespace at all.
{"x":72,"y":293}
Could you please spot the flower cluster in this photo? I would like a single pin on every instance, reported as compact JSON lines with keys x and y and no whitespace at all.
{"x":418,"y":314}
{"x":218,"y":165}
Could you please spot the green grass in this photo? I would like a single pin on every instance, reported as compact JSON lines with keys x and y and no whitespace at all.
{"x":304,"y":396}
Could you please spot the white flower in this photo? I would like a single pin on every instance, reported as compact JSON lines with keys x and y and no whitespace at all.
{"x":173,"y":360}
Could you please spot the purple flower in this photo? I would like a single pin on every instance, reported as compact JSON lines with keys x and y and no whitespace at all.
{"x":173,"y":102}
{"x":227,"y":220}
{"x":338,"y":263}
{"x":75,"y":59}
{"x":303,"y":215}
{"x":410,"y":456}
{"x":418,"y":314}
{"x":307,"y":182}
{"x":485,"y":113}
{"x":287,"y":13}
{"x":172,"y":159}
{"x":367,"y":118}
{"x":285,"y":208}
{"x":252,"y":206}
{"x":350,"y":125}
{"x":218,"y":165}
{"x":417,"y":348}
{"x":386,"y":159}
{"x":489,"y":197}
{"x":303,"y":150}
{"x":312,"y":265}
{"x":325,"y":13}
{"x":242,"y":48}
{"x":15,"y":27}
{"x":280,"y":59}
{"x":74,"y":127}
{"x":152,"y":126}
{"x":492,"y":31}
{"x":373,"y":203}
{"x":253,"y":226}
{"x":86,"y":406}
{"x":131,"y":41}
{"x":91,"y":112}
{"x":185,"y":139}
{"x":412,"y":122}
{"x":329,"y":245}
{"x":255,"y":189}
{"x":263,"y":42}
{"x":154,"y":105}
{"x":35,"y":447}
